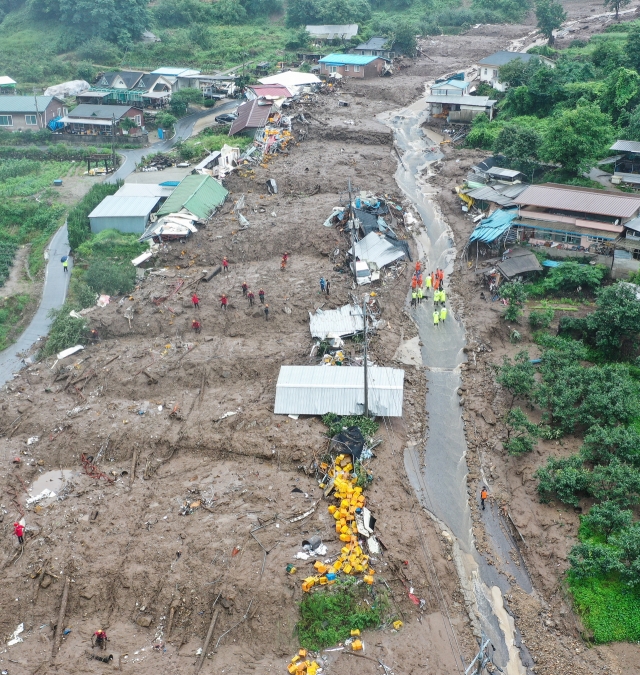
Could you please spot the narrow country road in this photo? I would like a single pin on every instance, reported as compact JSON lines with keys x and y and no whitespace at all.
{"x":184,"y":129}
{"x":54,"y":292}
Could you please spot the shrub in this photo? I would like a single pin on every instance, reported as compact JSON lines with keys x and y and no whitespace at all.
{"x":541,"y":319}
{"x":521,"y":434}
{"x":516,"y":294}
{"x":65,"y":331}
{"x":564,"y":478}
{"x":105,"y":277}
{"x":517,"y":376}
{"x":607,"y":518}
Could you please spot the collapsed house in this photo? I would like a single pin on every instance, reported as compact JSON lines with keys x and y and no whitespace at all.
{"x":316,"y":390}
{"x":334,"y":324}
{"x":194,"y":200}
{"x":219,"y":163}
{"x":377,"y":251}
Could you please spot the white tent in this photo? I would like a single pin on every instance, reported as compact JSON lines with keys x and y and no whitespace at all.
{"x":72,"y":88}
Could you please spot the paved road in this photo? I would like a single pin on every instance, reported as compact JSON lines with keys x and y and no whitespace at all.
{"x":54,"y":293}
{"x":184,"y":129}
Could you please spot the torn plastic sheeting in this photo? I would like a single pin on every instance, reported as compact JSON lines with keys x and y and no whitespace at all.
{"x":349,"y":441}
{"x":141,"y":258}
{"x":373,"y":545}
{"x":15,"y":636}
{"x":103,"y":300}
{"x":68,"y":352}
{"x":365,"y":522}
{"x":45,"y":494}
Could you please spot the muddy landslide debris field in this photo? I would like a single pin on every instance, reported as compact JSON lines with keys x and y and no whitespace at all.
{"x":192,"y":457}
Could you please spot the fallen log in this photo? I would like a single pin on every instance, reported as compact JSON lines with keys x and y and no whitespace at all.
{"x":57,"y":636}
{"x":212,"y":625}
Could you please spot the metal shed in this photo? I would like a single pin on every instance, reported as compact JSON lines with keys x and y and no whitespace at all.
{"x":346,"y":320}
{"x":126,"y":214}
{"x":316,"y":390}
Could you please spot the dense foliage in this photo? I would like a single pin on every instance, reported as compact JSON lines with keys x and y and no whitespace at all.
{"x":78,"y":219}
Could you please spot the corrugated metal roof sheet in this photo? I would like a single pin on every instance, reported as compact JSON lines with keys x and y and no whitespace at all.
{"x":633,"y":224}
{"x":560,"y":227}
{"x":26,"y":104}
{"x":626,"y":146}
{"x":251,"y":115}
{"x":176,"y":72}
{"x":494,"y":226}
{"x":506,"y":173}
{"x":374,"y":43}
{"x":270,"y":90}
{"x":346,"y":320}
{"x":475,"y":101}
{"x":114,"y":206}
{"x":348,"y":59}
{"x":377,"y":249}
{"x":104,"y":112}
{"x":144,"y":190}
{"x":580,"y":200}
{"x":317,"y":390}
{"x":198,"y":194}
{"x":488,"y":194}
{"x":510,"y":190}
{"x":456,"y":84}
{"x":502,"y":58}
{"x":519,"y":262}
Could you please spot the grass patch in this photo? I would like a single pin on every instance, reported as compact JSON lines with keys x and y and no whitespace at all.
{"x":11,"y":312}
{"x":609,"y":609}
{"x":328,"y":615}
{"x":210,"y":140}
{"x":335,"y":424}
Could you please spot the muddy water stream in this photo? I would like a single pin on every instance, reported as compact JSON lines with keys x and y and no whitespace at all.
{"x":439,"y":477}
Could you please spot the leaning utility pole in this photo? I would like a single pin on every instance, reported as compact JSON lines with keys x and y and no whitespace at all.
{"x":482,"y":659}
{"x":113,"y":142}
{"x":366,"y":371}
{"x":35,"y":98}
{"x":352,"y":225}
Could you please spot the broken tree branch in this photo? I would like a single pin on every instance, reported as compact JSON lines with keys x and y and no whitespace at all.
{"x":212,"y":625}
{"x":244,"y":618}
{"x":57,"y":637}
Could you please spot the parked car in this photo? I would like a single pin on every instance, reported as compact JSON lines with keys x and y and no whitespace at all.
{"x":226,"y":118}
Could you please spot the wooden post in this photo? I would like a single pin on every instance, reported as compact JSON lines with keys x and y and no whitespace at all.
{"x":134,"y":461}
{"x":57,"y":637}
{"x":207,"y":640}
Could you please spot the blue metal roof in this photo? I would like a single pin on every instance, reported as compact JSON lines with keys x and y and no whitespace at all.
{"x":348,"y":59}
{"x":494,"y":226}
{"x":458,"y":84}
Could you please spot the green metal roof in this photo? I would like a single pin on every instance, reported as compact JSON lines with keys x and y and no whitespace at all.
{"x":200,"y":195}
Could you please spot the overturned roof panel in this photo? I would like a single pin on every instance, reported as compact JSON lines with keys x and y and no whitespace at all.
{"x":200,"y":195}
{"x":488,"y":194}
{"x":251,"y":115}
{"x":317,"y":390}
{"x":346,"y":320}
{"x":494,"y":226}
{"x":519,"y":262}
{"x":377,"y":249}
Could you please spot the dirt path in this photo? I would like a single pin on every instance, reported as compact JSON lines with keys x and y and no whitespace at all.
{"x":18,"y":282}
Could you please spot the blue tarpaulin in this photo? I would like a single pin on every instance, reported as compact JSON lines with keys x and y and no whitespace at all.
{"x":56,"y":124}
{"x":493,"y":227}
{"x":551,"y":263}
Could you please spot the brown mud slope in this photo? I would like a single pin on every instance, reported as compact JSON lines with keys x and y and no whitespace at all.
{"x":183,"y":427}
{"x":193,"y":413}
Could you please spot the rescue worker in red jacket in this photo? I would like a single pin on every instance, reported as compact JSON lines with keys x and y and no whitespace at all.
{"x":18,"y":530}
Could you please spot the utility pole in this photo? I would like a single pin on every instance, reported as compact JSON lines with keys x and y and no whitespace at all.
{"x":113,"y":142}
{"x":35,"y":98}
{"x":482,"y":658}
{"x":366,"y":371}
{"x":352,"y":225}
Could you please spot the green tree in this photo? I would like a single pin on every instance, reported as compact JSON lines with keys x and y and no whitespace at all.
{"x":105,"y":277}
{"x":607,"y":518}
{"x":262,"y":7}
{"x":576,"y":138}
{"x":228,"y":12}
{"x":166,"y":120}
{"x":550,"y":16}
{"x":521,"y":433}
{"x":617,"y":482}
{"x":541,"y":319}
{"x":516,"y":294}
{"x":604,"y":444}
{"x":404,"y":37}
{"x":172,"y":13}
{"x":119,"y":21}
{"x":78,"y":225}
{"x":517,"y":376}
{"x":615,"y":325}
{"x":616,"y":5}
{"x":628,"y":544}
{"x":632,"y":47}
{"x":564,"y":478}
{"x":608,"y":55}
{"x":303,"y":12}
{"x":520,"y":146}
{"x":633,"y":130}
{"x":179,"y":103}
{"x":511,"y":10}
{"x":200,"y":35}
{"x":571,"y":275}
{"x":621,"y":92}
{"x":593,"y":560}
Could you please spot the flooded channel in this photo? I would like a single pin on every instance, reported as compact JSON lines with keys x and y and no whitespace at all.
{"x":440,"y":481}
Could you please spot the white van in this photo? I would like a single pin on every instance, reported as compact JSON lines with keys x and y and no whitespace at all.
{"x":363,"y":273}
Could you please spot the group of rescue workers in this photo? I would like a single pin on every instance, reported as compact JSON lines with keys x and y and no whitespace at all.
{"x":420,"y":287}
